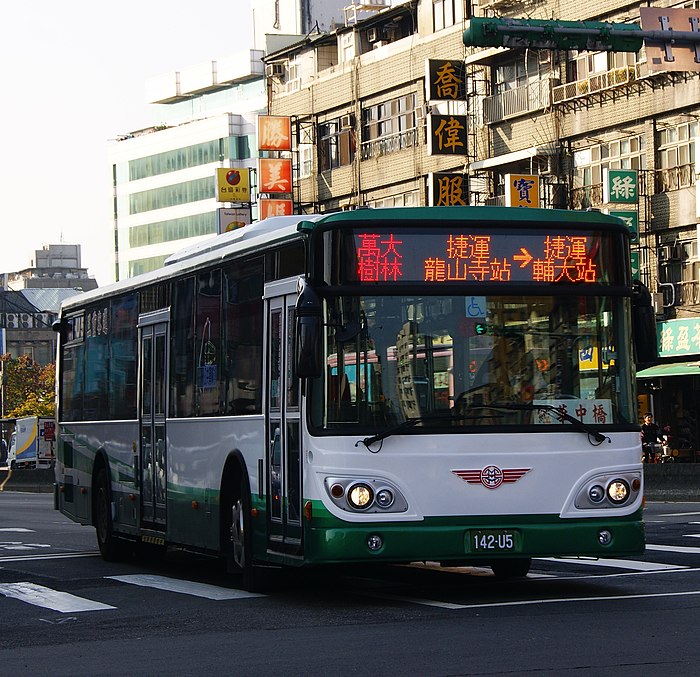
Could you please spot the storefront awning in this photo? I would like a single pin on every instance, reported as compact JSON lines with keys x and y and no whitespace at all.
{"x":671,"y":369}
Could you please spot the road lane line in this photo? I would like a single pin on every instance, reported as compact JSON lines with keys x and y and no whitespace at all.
{"x":679,"y":514}
{"x":65,"y":555}
{"x":214,"y":592}
{"x":674,"y":548}
{"x":38,"y":595}
{"x":632,"y":565}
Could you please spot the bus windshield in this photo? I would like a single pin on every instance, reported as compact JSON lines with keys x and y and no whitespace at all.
{"x":452,"y":360}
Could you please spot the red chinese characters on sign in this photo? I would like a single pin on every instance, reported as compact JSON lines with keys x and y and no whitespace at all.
{"x":469,"y":257}
{"x":378,"y":258}
{"x":565,"y":258}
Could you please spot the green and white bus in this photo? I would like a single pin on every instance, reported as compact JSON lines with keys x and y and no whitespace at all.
{"x":449,"y":384}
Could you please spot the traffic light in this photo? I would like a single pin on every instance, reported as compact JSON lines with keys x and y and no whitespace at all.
{"x":544,"y":34}
{"x":481,"y":328}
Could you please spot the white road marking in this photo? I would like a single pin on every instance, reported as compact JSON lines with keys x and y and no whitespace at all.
{"x":564,"y":600}
{"x":185,"y":587}
{"x":678,"y":514}
{"x":18,"y":530}
{"x":38,"y":595}
{"x":530,"y":602}
{"x":691,"y":535}
{"x":615,"y":563}
{"x":65,"y":555}
{"x":674,"y":548}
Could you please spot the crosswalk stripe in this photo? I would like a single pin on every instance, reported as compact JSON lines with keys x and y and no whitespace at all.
{"x":38,"y":595}
{"x":185,"y":587}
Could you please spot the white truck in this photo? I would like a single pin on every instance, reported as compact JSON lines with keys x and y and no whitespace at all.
{"x":32,"y":443}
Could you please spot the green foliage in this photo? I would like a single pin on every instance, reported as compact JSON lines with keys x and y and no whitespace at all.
{"x":29,"y":388}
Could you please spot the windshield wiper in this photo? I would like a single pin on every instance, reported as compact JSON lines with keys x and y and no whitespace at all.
{"x":558,"y":413}
{"x":405,"y":425}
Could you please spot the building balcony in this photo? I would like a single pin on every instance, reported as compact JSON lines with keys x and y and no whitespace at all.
{"x":391,"y":143}
{"x":519,"y":101}
{"x":674,"y":178}
{"x":587,"y":196}
{"x":617,"y":77}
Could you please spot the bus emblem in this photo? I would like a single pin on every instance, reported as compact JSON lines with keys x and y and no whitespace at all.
{"x":491,"y":476}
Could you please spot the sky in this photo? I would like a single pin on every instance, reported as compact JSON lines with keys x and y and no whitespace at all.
{"x":74,"y":76}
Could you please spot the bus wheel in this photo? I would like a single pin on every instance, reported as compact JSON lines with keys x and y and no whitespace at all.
{"x":240,"y":555}
{"x":111,"y":547}
{"x":511,"y":568}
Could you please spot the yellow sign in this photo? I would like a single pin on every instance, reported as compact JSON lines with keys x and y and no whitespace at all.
{"x":522,"y":190}
{"x":233,"y":185}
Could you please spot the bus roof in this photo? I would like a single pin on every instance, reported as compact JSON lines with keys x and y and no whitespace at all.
{"x":252,"y":237}
{"x":512,"y":215}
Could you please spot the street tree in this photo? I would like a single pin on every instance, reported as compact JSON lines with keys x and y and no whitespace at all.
{"x":28,"y":387}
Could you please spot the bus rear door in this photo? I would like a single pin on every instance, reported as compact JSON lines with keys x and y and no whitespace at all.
{"x":283,"y":457}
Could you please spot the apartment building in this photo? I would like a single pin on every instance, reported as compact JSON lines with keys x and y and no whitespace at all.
{"x":371,"y":130}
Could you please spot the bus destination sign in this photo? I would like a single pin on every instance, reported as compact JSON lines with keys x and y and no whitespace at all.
{"x":434,"y":258}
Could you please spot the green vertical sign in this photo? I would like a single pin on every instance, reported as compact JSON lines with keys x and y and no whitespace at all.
{"x":620,"y":185}
{"x":631,"y":219}
{"x":635,"y":265}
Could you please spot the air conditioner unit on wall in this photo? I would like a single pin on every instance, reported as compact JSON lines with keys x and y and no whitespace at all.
{"x":670,"y":252}
{"x":347,"y":121}
{"x":275,"y":70}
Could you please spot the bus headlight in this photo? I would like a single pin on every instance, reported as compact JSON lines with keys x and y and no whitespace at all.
{"x":360,"y":496}
{"x":365,"y":494}
{"x":609,"y":490}
{"x":618,"y":491}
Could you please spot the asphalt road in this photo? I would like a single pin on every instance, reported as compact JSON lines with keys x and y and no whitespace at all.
{"x":64,"y":611}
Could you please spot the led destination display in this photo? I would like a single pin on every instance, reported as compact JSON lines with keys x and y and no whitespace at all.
{"x":453,"y":256}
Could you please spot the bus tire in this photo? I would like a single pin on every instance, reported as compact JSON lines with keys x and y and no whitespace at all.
{"x":240,"y":551}
{"x":511,"y":568}
{"x":112,"y":548}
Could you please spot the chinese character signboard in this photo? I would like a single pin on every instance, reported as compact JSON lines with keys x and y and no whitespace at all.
{"x":635,"y":265}
{"x":679,"y":338}
{"x":231,"y":219}
{"x":275,"y":208}
{"x":448,"y":135}
{"x":620,"y":185}
{"x":631,"y":220}
{"x":522,"y":190}
{"x":274,"y":132}
{"x":447,"y":190}
{"x":232,"y":185}
{"x":275,"y":175}
{"x":445,"y":80}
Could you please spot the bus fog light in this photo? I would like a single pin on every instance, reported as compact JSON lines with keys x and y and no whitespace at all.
{"x":618,"y":491}
{"x":385,"y":498}
{"x":605,"y":537}
{"x":374,"y":542}
{"x":360,"y":496}
{"x":596,"y":493}
{"x":337,"y":491}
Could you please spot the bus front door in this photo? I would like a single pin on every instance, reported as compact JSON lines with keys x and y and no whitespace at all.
{"x":283,"y":457}
{"x":153,"y":401}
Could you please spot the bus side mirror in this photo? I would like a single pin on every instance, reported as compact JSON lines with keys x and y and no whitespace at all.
{"x":309,"y":325}
{"x":643,"y":325}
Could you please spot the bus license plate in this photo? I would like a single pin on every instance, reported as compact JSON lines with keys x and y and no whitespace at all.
{"x":493,"y":540}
